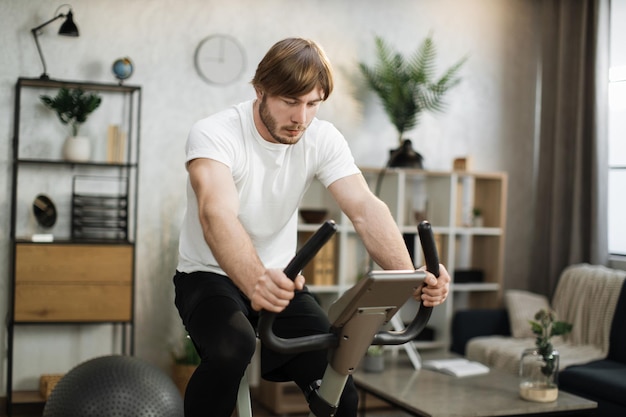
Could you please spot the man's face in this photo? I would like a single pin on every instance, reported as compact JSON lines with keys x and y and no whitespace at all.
{"x":284,"y":119}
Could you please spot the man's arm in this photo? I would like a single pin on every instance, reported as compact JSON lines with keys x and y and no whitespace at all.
{"x":372,"y":221}
{"x":379,"y":232}
{"x":218,"y":208}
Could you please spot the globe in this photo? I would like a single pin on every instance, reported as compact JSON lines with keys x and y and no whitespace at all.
{"x":122,"y":68}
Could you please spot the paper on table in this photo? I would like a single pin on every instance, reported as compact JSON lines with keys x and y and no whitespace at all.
{"x":456,"y":367}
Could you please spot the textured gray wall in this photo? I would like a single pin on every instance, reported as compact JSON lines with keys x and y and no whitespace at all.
{"x":490,"y":115}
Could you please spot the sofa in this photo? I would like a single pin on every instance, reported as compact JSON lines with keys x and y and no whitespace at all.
{"x":592,"y":356}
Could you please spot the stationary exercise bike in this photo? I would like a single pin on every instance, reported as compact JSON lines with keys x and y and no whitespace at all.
{"x":356,"y":319}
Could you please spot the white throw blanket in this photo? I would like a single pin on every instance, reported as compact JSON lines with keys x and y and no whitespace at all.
{"x":586,"y":296}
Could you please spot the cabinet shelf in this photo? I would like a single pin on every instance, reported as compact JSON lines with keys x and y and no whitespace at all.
{"x":476,"y":287}
{"x":51,"y":162}
{"x":85,"y":85}
{"x":76,"y":281}
{"x":446,"y":199}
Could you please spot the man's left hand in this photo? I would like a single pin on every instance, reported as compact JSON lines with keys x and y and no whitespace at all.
{"x":435,"y":290}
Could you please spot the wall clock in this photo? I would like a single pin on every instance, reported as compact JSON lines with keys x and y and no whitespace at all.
{"x":220,"y":59}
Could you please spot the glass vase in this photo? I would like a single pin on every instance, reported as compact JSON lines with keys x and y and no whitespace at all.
{"x":539,"y":376}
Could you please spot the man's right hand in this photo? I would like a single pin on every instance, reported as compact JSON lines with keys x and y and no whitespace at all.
{"x":273,"y":291}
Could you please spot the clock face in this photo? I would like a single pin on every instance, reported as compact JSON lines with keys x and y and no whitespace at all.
{"x":219,"y":59}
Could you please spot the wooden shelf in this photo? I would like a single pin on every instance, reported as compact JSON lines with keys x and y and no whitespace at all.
{"x":28,"y":397}
{"x":449,"y":198}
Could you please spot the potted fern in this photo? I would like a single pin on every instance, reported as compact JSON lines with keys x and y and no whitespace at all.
{"x":407,"y":87}
{"x":72,"y":106}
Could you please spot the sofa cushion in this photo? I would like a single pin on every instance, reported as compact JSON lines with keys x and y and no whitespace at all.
{"x":603,"y":379}
{"x":522,"y":306}
{"x":467,"y":324}
{"x":504,"y":353}
{"x":617,"y":349}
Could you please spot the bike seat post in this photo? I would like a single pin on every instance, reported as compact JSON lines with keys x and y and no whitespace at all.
{"x":244,"y":403}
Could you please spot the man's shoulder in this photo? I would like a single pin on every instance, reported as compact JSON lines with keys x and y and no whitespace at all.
{"x":228,"y":116}
{"x":320,"y":128}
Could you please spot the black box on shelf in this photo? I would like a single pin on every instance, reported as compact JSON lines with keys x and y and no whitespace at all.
{"x":100,"y":208}
{"x":467,"y":276}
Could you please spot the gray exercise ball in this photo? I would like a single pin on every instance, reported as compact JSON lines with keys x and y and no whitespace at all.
{"x":115,"y":385}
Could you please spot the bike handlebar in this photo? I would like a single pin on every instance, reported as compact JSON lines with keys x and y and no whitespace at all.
{"x":266,"y":318}
{"x":420,"y":320}
{"x":325,"y":341}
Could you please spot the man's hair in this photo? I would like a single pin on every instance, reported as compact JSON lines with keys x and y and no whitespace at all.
{"x":293,"y":67}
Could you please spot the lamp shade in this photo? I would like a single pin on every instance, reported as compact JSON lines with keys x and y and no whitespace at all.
{"x":68,"y":28}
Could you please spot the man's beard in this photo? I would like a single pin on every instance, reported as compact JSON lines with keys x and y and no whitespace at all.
{"x":271,"y":126}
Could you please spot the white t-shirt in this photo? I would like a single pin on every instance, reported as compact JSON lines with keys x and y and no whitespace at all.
{"x":271,"y":179}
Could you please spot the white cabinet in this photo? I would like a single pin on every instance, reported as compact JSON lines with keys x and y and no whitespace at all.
{"x":470,"y":246}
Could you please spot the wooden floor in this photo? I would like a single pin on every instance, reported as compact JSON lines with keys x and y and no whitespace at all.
{"x":257,"y":411}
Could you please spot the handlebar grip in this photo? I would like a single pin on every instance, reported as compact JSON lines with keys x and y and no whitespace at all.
{"x":310,"y":249}
{"x":266,"y":318}
{"x":431,"y":258}
{"x":429,"y":247}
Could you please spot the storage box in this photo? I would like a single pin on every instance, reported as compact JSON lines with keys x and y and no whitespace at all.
{"x":47,"y":382}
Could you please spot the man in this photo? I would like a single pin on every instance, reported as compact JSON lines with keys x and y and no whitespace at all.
{"x":249,"y":167}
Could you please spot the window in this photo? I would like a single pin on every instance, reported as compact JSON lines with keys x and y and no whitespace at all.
{"x":617,"y":131}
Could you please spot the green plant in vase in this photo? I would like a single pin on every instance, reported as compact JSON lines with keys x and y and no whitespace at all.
{"x":545,"y":327}
{"x":73,"y":106}
{"x":407,"y":87}
{"x":539,"y":366}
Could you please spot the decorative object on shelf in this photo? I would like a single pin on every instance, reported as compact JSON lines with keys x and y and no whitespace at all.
{"x":405,"y":156}
{"x":122,"y":68}
{"x":45,"y":213}
{"x":100,"y":215}
{"x":68,"y":28}
{"x":116,"y":145}
{"x":313,"y":215}
{"x":539,"y":366}
{"x":477,"y":217}
{"x":186,"y":360}
{"x":220,"y":59}
{"x":462,"y":164}
{"x":73,"y":106}
{"x":406,"y":87}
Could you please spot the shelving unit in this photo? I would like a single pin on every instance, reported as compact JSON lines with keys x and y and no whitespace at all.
{"x":85,"y":276}
{"x":447,"y":200}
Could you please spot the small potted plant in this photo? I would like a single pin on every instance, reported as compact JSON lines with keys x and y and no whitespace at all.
{"x":186,"y":360}
{"x":374,"y":360}
{"x":539,"y":366}
{"x":72,"y":106}
{"x":407,"y":87}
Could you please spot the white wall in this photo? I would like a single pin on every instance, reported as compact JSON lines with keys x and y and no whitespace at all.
{"x":490,"y":115}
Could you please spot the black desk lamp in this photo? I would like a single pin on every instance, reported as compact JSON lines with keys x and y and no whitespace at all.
{"x":68,"y":28}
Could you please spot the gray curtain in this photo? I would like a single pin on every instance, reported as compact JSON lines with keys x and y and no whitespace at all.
{"x":570,"y":223}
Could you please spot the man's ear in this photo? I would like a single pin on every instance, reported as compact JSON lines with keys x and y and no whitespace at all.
{"x":259,"y":93}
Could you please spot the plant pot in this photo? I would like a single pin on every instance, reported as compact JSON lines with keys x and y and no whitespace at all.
{"x":405,"y":157}
{"x":538,"y":376}
{"x":181,"y":374}
{"x":77,"y":149}
{"x":374,"y":363}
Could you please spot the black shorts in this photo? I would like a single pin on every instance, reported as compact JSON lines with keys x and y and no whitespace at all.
{"x":303,"y":316}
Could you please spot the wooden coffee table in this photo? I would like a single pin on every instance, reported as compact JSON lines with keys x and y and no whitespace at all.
{"x":428,"y":393}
